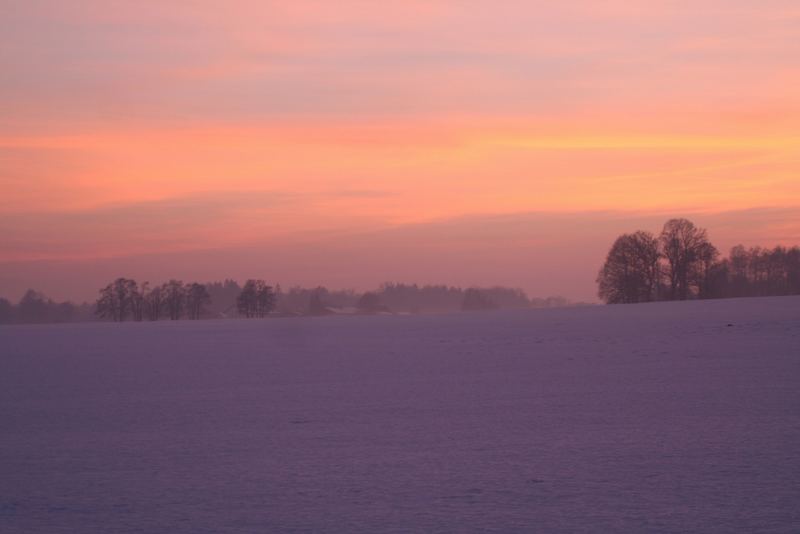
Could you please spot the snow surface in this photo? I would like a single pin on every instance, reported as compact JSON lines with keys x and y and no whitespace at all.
{"x":663,"y":417}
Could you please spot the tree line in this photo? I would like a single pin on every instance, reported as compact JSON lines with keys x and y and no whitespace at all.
{"x":681,"y":263}
{"x":388,"y":298}
{"x":125,"y":298}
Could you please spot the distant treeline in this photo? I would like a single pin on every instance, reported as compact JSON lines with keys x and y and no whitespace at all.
{"x":34,"y":307}
{"x":125,"y":299}
{"x":681,"y":263}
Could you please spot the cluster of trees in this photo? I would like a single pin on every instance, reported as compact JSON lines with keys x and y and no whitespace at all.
{"x":405,"y":298}
{"x":125,"y":298}
{"x":256,"y":299}
{"x":758,"y":272}
{"x":681,"y":263}
{"x":408,"y":298}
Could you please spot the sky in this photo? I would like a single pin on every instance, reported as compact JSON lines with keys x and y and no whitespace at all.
{"x":348,"y":143}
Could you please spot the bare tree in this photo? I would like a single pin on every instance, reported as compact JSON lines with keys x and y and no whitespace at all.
{"x":196,"y":298}
{"x":117,"y":299}
{"x":706,"y":270}
{"x":762,"y":272}
{"x":257,"y":299}
{"x":107,"y":306}
{"x":631,"y":271}
{"x":174,"y":298}
{"x":124,"y":289}
{"x":154,"y":303}
{"x":684,"y":246}
{"x":266,"y":299}
{"x":739,"y":270}
{"x":245,"y":302}
{"x":137,"y":300}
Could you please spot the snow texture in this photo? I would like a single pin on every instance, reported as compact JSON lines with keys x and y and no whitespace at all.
{"x":669,"y":417}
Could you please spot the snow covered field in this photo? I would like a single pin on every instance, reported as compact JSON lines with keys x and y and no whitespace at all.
{"x":663,"y":417}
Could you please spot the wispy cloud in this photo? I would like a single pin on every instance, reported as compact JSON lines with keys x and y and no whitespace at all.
{"x":199,"y":221}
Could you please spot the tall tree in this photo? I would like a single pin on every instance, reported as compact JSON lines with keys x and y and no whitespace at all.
{"x":266,"y":299}
{"x":685,"y":248}
{"x":174,"y":298}
{"x":793,"y":271}
{"x":706,"y":270}
{"x":107,"y":306}
{"x":137,"y":296}
{"x":116,"y":299}
{"x":196,"y":298}
{"x":125,"y":289}
{"x":739,"y":267}
{"x":246,"y":301}
{"x":631,"y":271}
{"x":154,"y":303}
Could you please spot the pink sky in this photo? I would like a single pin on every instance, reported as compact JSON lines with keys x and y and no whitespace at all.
{"x":352,"y":142}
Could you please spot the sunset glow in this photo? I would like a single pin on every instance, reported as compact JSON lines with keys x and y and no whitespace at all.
{"x":131,"y":130}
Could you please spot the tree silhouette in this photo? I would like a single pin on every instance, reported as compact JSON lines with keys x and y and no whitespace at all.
{"x":757,"y":272}
{"x":705,"y":272}
{"x":686,"y":249}
{"x":690,"y":267}
{"x":196,"y":298}
{"x":125,"y":289}
{"x":154,"y":303}
{"x":137,"y":300}
{"x":257,"y":299}
{"x":631,"y":271}
{"x":107,"y":306}
{"x":117,"y":299}
{"x":174,"y":298}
